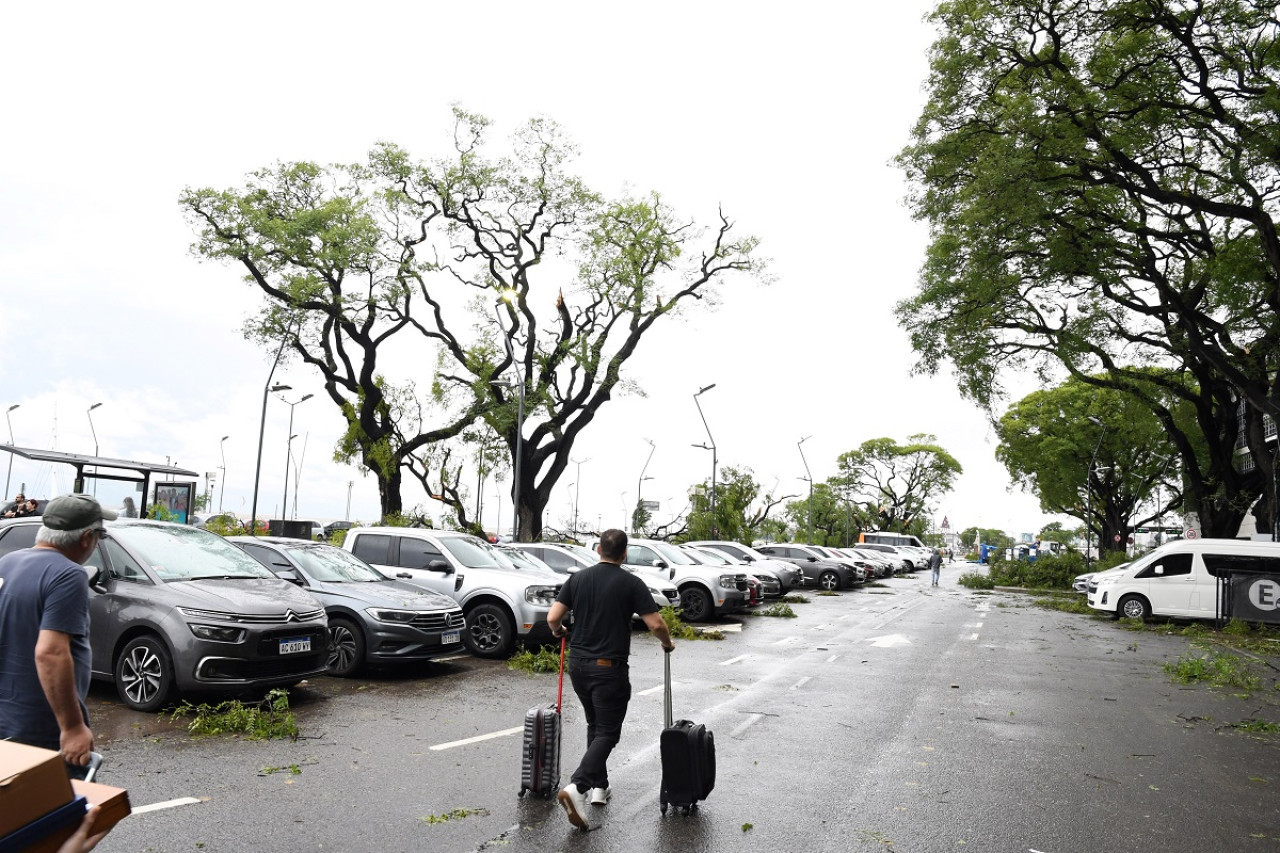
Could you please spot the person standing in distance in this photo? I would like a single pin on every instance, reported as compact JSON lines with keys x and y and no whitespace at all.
{"x":44,"y":631}
{"x":935,"y":564}
{"x":602,"y":599}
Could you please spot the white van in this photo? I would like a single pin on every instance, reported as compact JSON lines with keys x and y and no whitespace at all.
{"x":1178,"y":579}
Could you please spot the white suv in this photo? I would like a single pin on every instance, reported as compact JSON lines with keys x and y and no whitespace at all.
{"x":705,"y":591}
{"x":788,"y":574}
{"x":502,"y":603}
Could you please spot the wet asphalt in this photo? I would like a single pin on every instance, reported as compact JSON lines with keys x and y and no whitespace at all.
{"x":893,"y":718}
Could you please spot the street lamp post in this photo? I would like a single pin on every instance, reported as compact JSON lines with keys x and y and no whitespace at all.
{"x":635,"y":526}
{"x":9,"y":476}
{"x":712,"y":448}
{"x":288,"y":456}
{"x":577,"y":491}
{"x":267,"y":390}
{"x":809,"y":476}
{"x":222,"y":489}
{"x":89,"y":413}
{"x":1088,"y":494}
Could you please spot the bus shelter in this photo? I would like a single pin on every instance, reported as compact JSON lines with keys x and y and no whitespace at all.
{"x":112,"y":480}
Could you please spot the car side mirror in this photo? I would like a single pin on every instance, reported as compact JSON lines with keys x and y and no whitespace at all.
{"x":747,"y":558}
{"x":288,"y":575}
{"x":1159,"y":570}
{"x":659,"y":564}
{"x":94,"y":574}
{"x":440,"y":566}
{"x":813,"y":559}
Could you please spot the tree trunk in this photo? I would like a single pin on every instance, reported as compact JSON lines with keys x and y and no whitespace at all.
{"x":389,"y":492}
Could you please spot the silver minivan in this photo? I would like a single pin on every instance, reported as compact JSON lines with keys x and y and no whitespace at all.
{"x":174,"y":609}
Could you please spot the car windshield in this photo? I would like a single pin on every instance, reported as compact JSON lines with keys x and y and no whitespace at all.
{"x":708,"y":557}
{"x":523,"y":559}
{"x":176,"y":552}
{"x":334,"y":565}
{"x":475,"y":554}
{"x":673,"y":554}
{"x":582,"y":552}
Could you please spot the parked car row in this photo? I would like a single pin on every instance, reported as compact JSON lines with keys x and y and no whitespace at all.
{"x":842,"y":568}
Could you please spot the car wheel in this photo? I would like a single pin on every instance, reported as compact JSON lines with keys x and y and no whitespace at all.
{"x":1134,"y":607}
{"x":829,"y":580}
{"x":695,"y":604}
{"x":346,"y":648}
{"x":490,"y":631}
{"x":144,"y":674}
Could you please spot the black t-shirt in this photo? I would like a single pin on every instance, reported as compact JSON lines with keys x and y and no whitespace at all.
{"x":602,"y":599}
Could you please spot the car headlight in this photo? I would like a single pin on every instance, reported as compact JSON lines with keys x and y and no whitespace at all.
{"x":542,"y":595}
{"x":218,"y":633}
{"x":395,"y":617}
{"x":728,"y":582}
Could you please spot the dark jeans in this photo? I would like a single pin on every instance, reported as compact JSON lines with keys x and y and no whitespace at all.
{"x":604,"y":692}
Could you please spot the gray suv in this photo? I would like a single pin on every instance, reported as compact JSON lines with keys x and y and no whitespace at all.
{"x":174,"y":609}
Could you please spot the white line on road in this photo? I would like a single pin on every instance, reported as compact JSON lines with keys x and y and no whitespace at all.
{"x":801,"y":682}
{"x":734,"y":660}
{"x":746,"y":724}
{"x":973,"y":636}
{"x":785,"y":640}
{"x":167,"y":804}
{"x":833,"y":658}
{"x":451,"y":657}
{"x":649,"y":690}
{"x":517,"y":730}
{"x":973,"y":624}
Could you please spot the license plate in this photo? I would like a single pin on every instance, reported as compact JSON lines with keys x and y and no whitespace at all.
{"x":293,"y":646}
{"x":448,"y":637}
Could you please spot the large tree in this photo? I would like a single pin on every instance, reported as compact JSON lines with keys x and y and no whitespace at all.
{"x":1100,"y":180}
{"x":896,"y":484}
{"x":504,"y":281}
{"x":742,"y":507}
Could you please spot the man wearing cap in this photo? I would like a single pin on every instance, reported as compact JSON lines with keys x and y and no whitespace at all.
{"x":44,"y":631}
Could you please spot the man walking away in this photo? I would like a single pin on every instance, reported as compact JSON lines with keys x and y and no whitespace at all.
{"x":602,"y":600}
{"x":935,"y":565}
{"x":44,"y":631}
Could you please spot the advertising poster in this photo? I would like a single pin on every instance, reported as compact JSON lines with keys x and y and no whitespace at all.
{"x":175,"y":500}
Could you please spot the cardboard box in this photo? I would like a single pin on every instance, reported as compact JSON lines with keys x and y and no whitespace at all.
{"x":33,"y":782}
{"x":114,"y":807}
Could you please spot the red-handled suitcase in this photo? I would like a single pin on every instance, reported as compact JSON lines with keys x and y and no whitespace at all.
{"x":688,"y":758}
{"x":540,"y":770}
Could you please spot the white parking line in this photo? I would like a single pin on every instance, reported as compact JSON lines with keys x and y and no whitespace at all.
{"x":734,"y":660}
{"x":746,"y":724}
{"x":802,"y":682}
{"x":649,"y":690}
{"x":973,"y":636}
{"x":167,"y":804}
{"x":833,"y":658}
{"x":517,"y":730}
{"x":451,"y":657}
{"x":785,"y":640}
{"x":973,"y":624}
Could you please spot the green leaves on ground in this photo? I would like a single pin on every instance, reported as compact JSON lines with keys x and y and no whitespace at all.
{"x":777,"y":609}
{"x":456,"y":814}
{"x":680,"y":630}
{"x":266,"y":720}
{"x":976,"y":580}
{"x":543,"y":659}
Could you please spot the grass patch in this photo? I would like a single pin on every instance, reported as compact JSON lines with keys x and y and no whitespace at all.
{"x":1065,"y":604}
{"x":292,"y":770}
{"x":829,"y":592}
{"x":1218,"y":669}
{"x":1257,"y":726}
{"x":681,"y":630}
{"x":777,"y":609}
{"x":456,"y":814}
{"x":269,"y":719}
{"x":794,"y":599}
{"x":542,"y":659}
{"x":976,"y":580}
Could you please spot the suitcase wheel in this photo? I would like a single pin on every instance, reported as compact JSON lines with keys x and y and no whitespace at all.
{"x":663,"y":807}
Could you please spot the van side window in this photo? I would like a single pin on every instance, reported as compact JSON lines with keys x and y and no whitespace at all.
{"x":417,"y":553}
{"x":373,"y":548}
{"x":1173,"y":564}
{"x":1219,"y":564}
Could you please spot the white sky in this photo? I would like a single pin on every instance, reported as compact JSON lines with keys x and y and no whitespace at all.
{"x":786,"y":114}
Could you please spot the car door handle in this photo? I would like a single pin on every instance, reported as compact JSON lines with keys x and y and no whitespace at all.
{"x":404,"y":575}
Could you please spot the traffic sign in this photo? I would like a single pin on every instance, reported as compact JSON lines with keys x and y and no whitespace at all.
{"x":1191,"y":533}
{"x":1117,"y":538}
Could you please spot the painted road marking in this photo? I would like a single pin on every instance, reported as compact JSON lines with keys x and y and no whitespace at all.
{"x":973,"y":624}
{"x":801,"y":683}
{"x":452,"y":657}
{"x":785,"y":640}
{"x":167,"y":804}
{"x":833,"y":658}
{"x":733,"y":660}
{"x":646,"y":692}
{"x":746,"y":724}
{"x":889,"y":641}
{"x":517,"y":730}
{"x":973,"y":636}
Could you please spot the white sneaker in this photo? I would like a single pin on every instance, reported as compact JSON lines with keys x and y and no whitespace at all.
{"x":574,"y":803}
{"x":600,"y":796}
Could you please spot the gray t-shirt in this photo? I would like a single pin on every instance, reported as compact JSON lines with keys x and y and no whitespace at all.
{"x":40,"y":589}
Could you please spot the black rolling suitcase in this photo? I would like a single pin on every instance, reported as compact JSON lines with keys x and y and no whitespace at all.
{"x":688,"y":758}
{"x":540,"y":770}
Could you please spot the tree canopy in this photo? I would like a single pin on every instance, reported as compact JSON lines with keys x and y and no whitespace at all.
{"x":429,"y":295}
{"x":896,"y":484}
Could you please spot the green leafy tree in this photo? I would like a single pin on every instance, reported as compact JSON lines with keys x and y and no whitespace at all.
{"x":985,"y":535}
{"x":504,"y":273}
{"x":1099,"y":181}
{"x":1102,"y":472}
{"x":742,"y":508}
{"x":896,"y":483}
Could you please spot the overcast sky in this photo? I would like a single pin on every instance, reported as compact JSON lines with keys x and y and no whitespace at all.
{"x":786,"y":115}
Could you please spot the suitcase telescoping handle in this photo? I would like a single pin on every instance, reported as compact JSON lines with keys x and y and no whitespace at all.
{"x":560,"y":686}
{"x":666,"y":696}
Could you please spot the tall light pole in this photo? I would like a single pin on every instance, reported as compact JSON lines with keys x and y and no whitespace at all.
{"x":8,"y":476}
{"x":222,"y":490}
{"x":288,"y":456}
{"x":577,"y":492}
{"x":89,"y":413}
{"x":262,"y":427}
{"x":1088,"y":494}
{"x":712,"y":448}
{"x":808,"y":476}
{"x":508,"y":297}
{"x":635,"y":525}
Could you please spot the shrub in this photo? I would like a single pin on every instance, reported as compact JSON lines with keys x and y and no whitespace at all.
{"x":1047,"y":572}
{"x":976,"y":580}
{"x":543,"y":659}
{"x":776,"y":609}
{"x":265,"y":720}
{"x":680,"y":630}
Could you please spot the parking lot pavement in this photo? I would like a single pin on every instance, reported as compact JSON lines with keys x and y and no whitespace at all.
{"x":895,"y":717}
